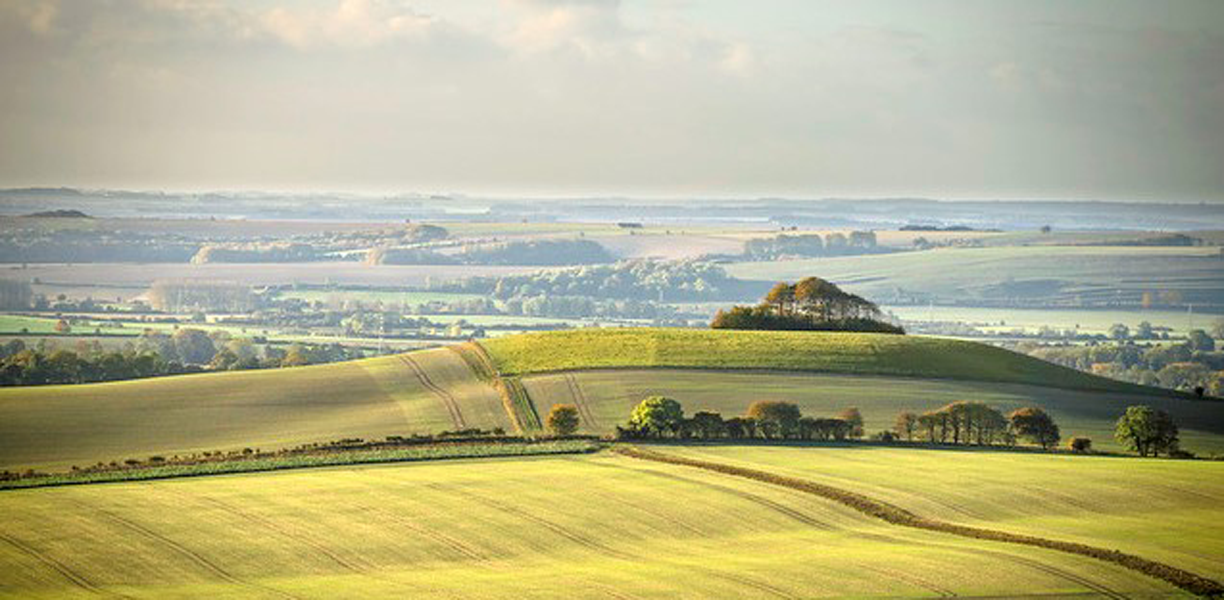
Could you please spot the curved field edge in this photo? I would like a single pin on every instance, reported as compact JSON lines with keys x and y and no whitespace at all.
{"x":425,"y":452}
{"x":794,"y":351}
{"x":889,"y":513}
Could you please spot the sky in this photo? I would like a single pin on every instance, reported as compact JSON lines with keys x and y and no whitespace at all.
{"x":1031,"y":99}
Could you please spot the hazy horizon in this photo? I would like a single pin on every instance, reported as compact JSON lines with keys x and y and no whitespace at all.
{"x":538,"y":99}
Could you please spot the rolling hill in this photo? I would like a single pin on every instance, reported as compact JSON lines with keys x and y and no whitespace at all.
{"x":605,"y":372}
{"x":597,"y":526}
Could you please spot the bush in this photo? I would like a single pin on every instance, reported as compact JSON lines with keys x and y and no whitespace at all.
{"x":1080,"y":444}
{"x":563,"y":419}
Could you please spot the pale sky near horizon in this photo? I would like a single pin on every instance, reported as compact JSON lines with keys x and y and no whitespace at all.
{"x":1092,"y":99}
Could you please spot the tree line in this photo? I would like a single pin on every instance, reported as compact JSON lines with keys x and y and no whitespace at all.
{"x":811,"y":304}
{"x":1142,"y":429}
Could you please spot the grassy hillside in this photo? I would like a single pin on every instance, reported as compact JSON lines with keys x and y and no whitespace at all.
{"x":609,"y":395}
{"x":848,"y":353}
{"x":1163,"y":510}
{"x":598,"y":526}
{"x":58,"y":426}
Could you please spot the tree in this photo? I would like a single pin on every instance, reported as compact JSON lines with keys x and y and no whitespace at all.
{"x":1081,"y":445}
{"x":708,"y":425}
{"x":854,"y":418}
{"x":1036,"y":425}
{"x":781,"y":296}
{"x":1217,"y":329}
{"x":1143,"y":331}
{"x":62,"y":326}
{"x":906,"y":425}
{"x":563,"y":419}
{"x":193,"y":346}
{"x":656,"y":416}
{"x":1199,"y":340}
{"x":1119,"y":332}
{"x":775,"y":418}
{"x":1147,"y":431}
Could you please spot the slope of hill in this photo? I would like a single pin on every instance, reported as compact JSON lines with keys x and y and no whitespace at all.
{"x":824,"y":352}
{"x":593,"y":526}
{"x":423,"y":392}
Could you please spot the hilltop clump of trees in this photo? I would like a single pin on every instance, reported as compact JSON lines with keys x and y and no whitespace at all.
{"x":812,"y":304}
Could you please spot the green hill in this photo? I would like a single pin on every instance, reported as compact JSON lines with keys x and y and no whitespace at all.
{"x":822,"y":352}
{"x":604,"y":371}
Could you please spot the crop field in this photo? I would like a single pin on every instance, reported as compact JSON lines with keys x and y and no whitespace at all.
{"x":1164,"y":510}
{"x":59,"y":426}
{"x":1032,"y":320}
{"x":851,"y":353}
{"x":596,"y":525}
{"x":1058,"y":275}
{"x":608,"y":396}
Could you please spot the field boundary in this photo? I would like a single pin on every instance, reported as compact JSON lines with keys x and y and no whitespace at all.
{"x":518,"y":404}
{"x":895,"y":515}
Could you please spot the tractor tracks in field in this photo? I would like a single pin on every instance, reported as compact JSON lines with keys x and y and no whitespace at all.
{"x":895,"y":515}
{"x":580,"y":401}
{"x":191,"y":555}
{"x":76,"y":579}
{"x":452,"y":406}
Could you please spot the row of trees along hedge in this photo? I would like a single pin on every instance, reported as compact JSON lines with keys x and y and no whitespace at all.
{"x":662,"y":417}
{"x":975,"y":423}
{"x":812,"y":304}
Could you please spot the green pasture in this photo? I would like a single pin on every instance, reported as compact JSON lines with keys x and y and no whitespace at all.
{"x":596,"y":526}
{"x":1171,"y":511}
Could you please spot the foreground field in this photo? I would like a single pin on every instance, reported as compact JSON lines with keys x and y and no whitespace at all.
{"x":1163,"y":510}
{"x":601,"y":526}
{"x":59,"y":426}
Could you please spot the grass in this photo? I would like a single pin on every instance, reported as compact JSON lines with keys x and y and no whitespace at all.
{"x":1162,"y":510}
{"x":54,"y":427}
{"x":596,"y":525}
{"x":329,"y":458}
{"x":848,"y":353}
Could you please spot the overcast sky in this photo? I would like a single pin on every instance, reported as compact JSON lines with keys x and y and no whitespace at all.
{"x":1107,"y":99}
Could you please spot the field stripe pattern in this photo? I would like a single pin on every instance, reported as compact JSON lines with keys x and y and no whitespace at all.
{"x":895,"y":515}
{"x":452,"y":407}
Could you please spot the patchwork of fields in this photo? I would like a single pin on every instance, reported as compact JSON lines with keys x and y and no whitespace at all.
{"x":601,"y":526}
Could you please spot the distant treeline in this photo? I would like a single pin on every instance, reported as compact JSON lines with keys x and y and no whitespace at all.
{"x":543,"y":253}
{"x":1194,"y":365}
{"x":647,"y":280}
{"x":812,"y":304}
{"x":153,"y":354}
{"x":812,"y":245}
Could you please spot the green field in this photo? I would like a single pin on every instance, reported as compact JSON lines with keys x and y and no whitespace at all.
{"x":59,"y":426}
{"x":1163,"y":510}
{"x":55,"y":427}
{"x":603,"y":526}
{"x":1003,"y":320}
{"x":849,"y":353}
{"x":1024,"y":275}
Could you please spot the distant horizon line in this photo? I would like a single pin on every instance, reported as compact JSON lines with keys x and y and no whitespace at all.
{"x":588,"y":196}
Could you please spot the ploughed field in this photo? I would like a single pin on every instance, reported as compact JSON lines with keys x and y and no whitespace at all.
{"x":604,"y":371}
{"x":612,"y":526}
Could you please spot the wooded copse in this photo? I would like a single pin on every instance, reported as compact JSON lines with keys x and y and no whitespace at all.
{"x":812,"y":244}
{"x":811,"y":304}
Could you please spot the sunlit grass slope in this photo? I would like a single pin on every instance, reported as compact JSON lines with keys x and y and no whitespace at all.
{"x":829,"y":352}
{"x":1171,"y":511}
{"x":609,"y":395}
{"x":58,"y":426}
{"x":594,"y":526}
